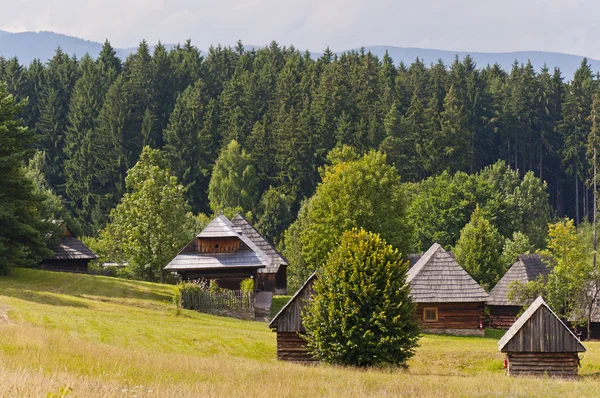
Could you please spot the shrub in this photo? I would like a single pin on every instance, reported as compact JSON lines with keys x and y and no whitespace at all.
{"x":247,"y":286}
{"x":362,"y":313}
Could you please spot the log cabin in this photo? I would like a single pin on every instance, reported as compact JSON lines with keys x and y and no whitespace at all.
{"x":291,"y":345}
{"x":70,"y":254}
{"x":448,"y":299}
{"x":539,"y":343}
{"x":222,"y":251}
{"x":272,"y":278}
{"x":503,"y":312}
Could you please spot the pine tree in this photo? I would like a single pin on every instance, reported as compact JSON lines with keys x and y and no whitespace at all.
{"x":453,"y":139}
{"x":188,"y":146}
{"x":22,"y":230}
{"x":81,"y":145}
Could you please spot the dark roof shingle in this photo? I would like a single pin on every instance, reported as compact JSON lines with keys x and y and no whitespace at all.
{"x":437,"y":278}
{"x":527,"y":268}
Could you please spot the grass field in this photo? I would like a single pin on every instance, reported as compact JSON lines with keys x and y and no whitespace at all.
{"x":80,"y":335}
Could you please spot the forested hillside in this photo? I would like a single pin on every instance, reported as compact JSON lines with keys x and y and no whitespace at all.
{"x":287,"y":111}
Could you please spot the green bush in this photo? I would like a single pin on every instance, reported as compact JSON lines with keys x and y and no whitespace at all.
{"x":247,"y":286}
{"x":362,"y":313}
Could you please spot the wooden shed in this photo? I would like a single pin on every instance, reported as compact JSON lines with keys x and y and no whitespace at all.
{"x":291,"y":345}
{"x":70,"y":255}
{"x":539,"y":343}
{"x":503,"y":312}
{"x":448,"y":299}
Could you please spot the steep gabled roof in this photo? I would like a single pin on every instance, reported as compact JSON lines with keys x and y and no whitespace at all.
{"x":437,"y":278}
{"x":249,"y":231}
{"x":220,"y":227}
{"x":71,"y":248}
{"x":539,"y":329}
{"x":527,"y":268}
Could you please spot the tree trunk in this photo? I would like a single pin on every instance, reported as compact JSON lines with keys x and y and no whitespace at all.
{"x":576,"y":200}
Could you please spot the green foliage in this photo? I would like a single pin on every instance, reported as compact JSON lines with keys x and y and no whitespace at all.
{"x":247,"y":286}
{"x":22,"y":229}
{"x":525,"y":293}
{"x":234,"y":181}
{"x":152,"y":222}
{"x":514,"y":247}
{"x":478,"y":250}
{"x":362,"y":313}
{"x":440,"y":206}
{"x":275,"y":215}
{"x":364,"y":193}
{"x":573,"y":284}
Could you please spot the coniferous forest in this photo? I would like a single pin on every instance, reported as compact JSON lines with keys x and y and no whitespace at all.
{"x":482,"y":135}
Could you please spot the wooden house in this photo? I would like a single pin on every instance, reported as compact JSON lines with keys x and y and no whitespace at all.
{"x":448,"y":299}
{"x":223,"y":252}
{"x":272,"y":278}
{"x":291,"y":346}
{"x":503,"y":312}
{"x":70,"y":254}
{"x":539,"y":343}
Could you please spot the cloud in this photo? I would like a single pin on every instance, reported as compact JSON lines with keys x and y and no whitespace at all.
{"x":509,"y":25}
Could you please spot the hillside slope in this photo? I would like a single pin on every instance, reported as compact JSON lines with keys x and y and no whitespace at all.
{"x":29,"y":45}
{"x":96,"y":336}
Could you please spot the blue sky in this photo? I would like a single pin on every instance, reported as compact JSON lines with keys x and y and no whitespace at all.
{"x":491,"y":26}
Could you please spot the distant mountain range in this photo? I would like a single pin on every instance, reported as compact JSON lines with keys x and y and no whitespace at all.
{"x":29,"y":45}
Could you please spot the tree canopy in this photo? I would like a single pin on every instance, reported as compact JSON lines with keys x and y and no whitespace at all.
{"x":361,"y":313}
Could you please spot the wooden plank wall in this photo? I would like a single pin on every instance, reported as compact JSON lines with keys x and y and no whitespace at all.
{"x":542,"y":333}
{"x":292,"y":347}
{"x":562,"y":364}
{"x":218,"y":245}
{"x":452,"y":315}
{"x":291,"y":320}
{"x":503,"y":316}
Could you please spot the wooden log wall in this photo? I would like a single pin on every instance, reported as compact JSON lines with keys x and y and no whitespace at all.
{"x":557,"y":364}
{"x":218,"y":245}
{"x":452,"y":316}
{"x":292,"y":347}
{"x":76,"y":265}
{"x":291,"y":319}
{"x":503,"y":316}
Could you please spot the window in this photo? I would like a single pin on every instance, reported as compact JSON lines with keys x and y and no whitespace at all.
{"x":430,"y":314}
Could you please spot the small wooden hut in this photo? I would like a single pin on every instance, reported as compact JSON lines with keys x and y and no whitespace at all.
{"x":539,"y":343}
{"x":70,"y":255}
{"x":448,"y":299}
{"x":291,"y":346}
{"x":503,"y":312}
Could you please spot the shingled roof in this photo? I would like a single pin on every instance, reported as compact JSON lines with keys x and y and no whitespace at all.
{"x":249,"y":231}
{"x":251,"y":256}
{"x":527,"y":268}
{"x":71,"y":248}
{"x":437,"y":278}
{"x":539,"y":329}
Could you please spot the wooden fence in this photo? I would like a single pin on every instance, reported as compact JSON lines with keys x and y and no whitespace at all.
{"x":234,"y":303}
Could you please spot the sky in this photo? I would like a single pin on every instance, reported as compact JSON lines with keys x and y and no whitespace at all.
{"x":460,"y":25}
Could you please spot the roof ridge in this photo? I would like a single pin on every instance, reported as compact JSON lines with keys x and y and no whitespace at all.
{"x":261,"y":236}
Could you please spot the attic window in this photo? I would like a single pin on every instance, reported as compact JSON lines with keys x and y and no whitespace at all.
{"x":430,"y":314}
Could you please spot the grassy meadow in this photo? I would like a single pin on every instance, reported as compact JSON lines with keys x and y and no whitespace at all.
{"x":88,"y":336}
